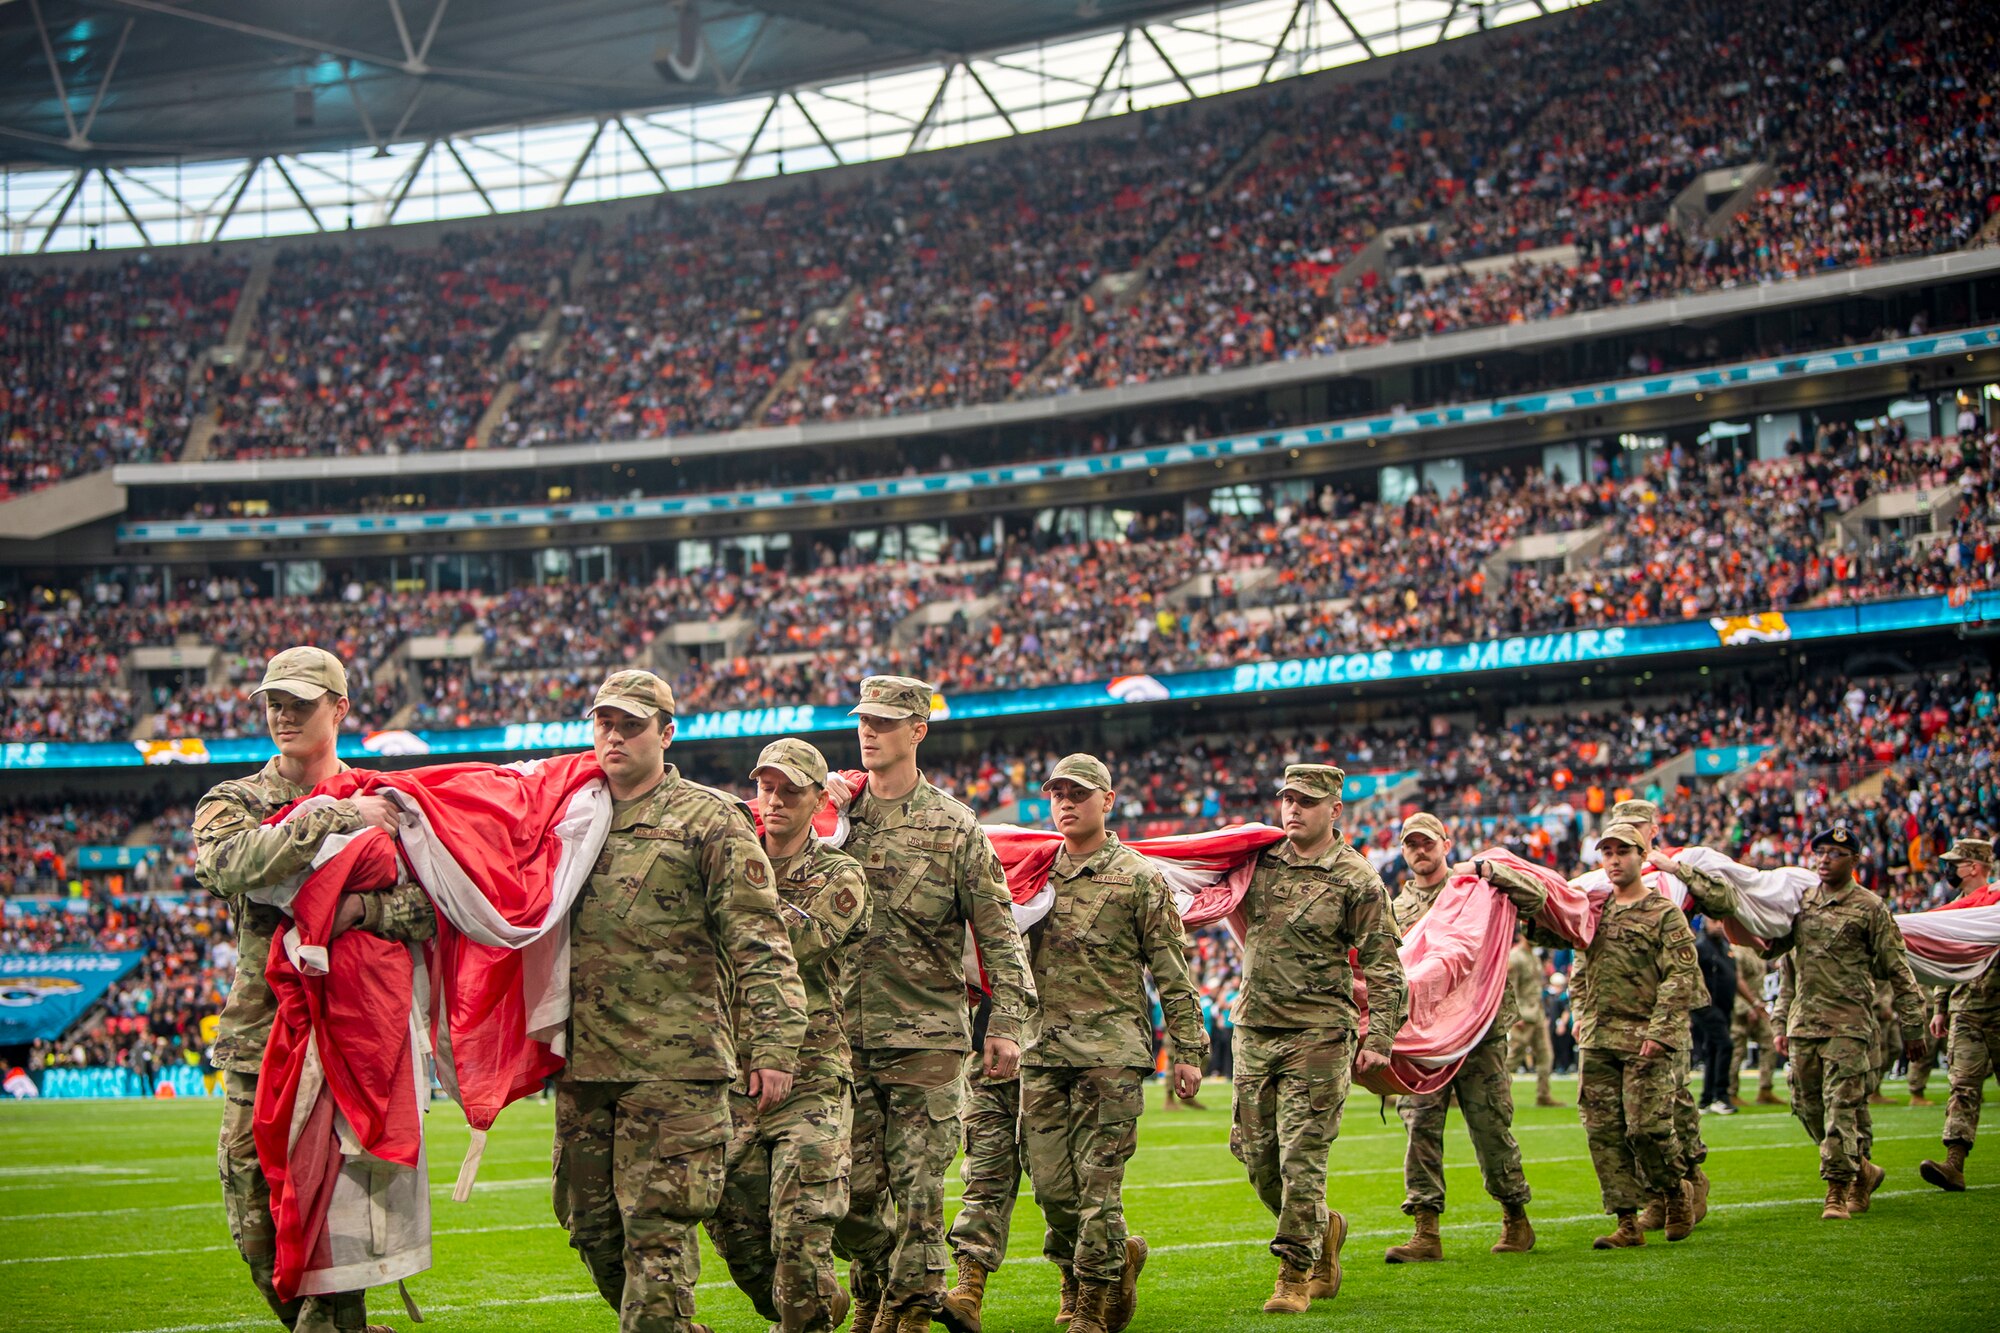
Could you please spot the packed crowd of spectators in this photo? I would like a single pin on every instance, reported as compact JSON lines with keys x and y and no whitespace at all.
{"x":38,"y":841}
{"x":368,"y":348}
{"x":1689,"y":534}
{"x":1528,"y":177}
{"x":101,"y":364}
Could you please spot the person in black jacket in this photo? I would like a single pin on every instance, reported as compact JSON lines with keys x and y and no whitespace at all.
{"x":1711,"y":1022}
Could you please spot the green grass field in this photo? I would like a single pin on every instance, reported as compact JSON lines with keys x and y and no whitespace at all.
{"x":110,"y":1220}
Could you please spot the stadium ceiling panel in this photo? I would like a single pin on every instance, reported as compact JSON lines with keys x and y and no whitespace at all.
{"x":150,"y":122}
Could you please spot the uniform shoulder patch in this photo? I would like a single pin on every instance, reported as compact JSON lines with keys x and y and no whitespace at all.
{"x":209,"y":813}
{"x":844,"y":901}
{"x":757,"y":871}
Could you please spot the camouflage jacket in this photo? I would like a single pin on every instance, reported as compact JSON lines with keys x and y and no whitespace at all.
{"x":1113,"y":917}
{"x":1524,"y":985}
{"x":931,"y":873}
{"x":1842,"y":941}
{"x":1301,"y":917}
{"x":678,"y":917}
{"x":1750,"y":971}
{"x":823,"y":901}
{"x":235,"y":855}
{"x":1523,"y":890}
{"x":1638,"y":981}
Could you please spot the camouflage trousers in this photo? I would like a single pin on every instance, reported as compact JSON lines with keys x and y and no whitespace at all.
{"x":1742,"y":1032}
{"x":1081,"y":1127}
{"x":1687,"y":1116}
{"x":1485,"y":1094}
{"x":1528,"y":1045}
{"x":1829,"y":1078}
{"x":1970,"y":1057}
{"x":246,"y":1200}
{"x":784,"y":1186}
{"x":637,"y":1166}
{"x":906,"y":1110}
{"x":1290,"y":1086}
{"x":1883,"y":1051}
{"x":991,"y":1168}
{"x":1627,"y":1108}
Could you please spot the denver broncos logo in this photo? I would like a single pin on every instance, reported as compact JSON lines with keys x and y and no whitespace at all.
{"x":1764,"y":627}
{"x":1136,"y":689}
{"x":181,"y":750}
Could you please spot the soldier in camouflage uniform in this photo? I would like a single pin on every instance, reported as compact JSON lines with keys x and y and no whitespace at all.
{"x":1752,"y":1022}
{"x":1090,"y":1043}
{"x":678,"y":918}
{"x":785,"y":1172}
{"x":1969,"y":1015}
{"x":1635,"y":987}
{"x":1311,"y":898}
{"x":1842,"y":941}
{"x":1483,"y":1087}
{"x":1711,"y":896}
{"x":1886,"y":1047}
{"x":995,"y":1157}
{"x":305,"y":697}
{"x":931,"y":874}
{"x":1528,"y":1042}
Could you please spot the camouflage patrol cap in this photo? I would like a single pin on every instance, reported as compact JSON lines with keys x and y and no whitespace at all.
{"x":1635,"y":812}
{"x":800,"y":762}
{"x":1426,"y":823}
{"x":1623,"y":830}
{"x":1843,"y":837}
{"x":305,"y":673}
{"x":1085,"y":770}
{"x":640,"y":693}
{"x":1318,"y":780}
{"x":895,"y":698}
{"x":1970,"y":849}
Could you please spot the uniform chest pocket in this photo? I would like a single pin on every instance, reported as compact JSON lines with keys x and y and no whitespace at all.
{"x":1082,"y":914}
{"x":1314,"y":908}
{"x":912,"y":878}
{"x":663,"y":893}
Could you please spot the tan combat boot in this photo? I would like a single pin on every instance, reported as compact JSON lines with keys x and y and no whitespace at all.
{"x":1836,"y":1202}
{"x":1292,"y":1294}
{"x":1124,"y":1297}
{"x":961,"y":1304}
{"x":1628,"y":1236}
{"x":1424,"y":1245}
{"x":1879,"y":1099}
{"x":867,"y":1313}
{"x":1654,"y":1215}
{"x":1066,"y":1306}
{"x":1091,"y":1298}
{"x":1698,"y":1186}
{"x":1765,"y":1097}
{"x":1948,"y":1175}
{"x":1325,"y":1282}
{"x":1543,"y":1099}
{"x":917,"y":1320}
{"x":1862,"y":1191}
{"x":1918,"y":1099}
{"x":1680,"y":1211}
{"x":1516,"y":1235}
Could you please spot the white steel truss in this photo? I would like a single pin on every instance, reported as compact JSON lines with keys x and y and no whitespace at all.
{"x":1198,"y":52}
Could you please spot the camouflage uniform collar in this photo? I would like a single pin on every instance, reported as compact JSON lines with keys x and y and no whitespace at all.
{"x":269,"y":776}
{"x":650,"y":811}
{"x":802,"y":860}
{"x":1412,"y":889}
{"x":872,"y":809}
{"x":1821,"y":895}
{"x":1066,"y":867}
{"x":1324,"y":861}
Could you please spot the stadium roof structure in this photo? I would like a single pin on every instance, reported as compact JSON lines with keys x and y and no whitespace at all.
{"x":147,"y":122}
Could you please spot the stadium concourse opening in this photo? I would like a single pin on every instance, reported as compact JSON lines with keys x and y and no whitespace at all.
{"x":781,"y":596}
